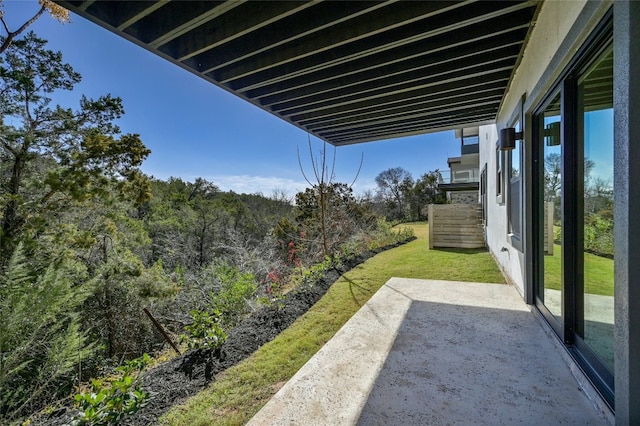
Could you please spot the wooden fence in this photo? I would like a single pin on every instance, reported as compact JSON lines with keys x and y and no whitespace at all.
{"x":456,"y":225}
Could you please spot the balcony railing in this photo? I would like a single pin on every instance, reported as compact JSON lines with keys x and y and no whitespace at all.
{"x":460,"y":176}
{"x":470,"y":149}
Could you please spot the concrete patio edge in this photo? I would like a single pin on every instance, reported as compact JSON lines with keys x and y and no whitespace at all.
{"x":435,"y":352}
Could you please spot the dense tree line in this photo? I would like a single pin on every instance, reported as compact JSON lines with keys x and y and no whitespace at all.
{"x":598,"y":205}
{"x":401,"y":198}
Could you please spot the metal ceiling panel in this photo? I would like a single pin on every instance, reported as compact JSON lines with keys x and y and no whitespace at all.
{"x":345,"y":71}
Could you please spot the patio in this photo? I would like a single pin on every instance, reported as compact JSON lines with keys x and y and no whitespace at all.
{"x":438,"y":352}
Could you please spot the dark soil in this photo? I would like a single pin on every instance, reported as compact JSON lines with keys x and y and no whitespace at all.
{"x":174,"y":381}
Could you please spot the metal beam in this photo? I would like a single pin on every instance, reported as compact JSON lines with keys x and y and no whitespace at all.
{"x":488,"y":107}
{"x":393,"y":90}
{"x":417,"y":129}
{"x":363,"y":45}
{"x":138,"y":16}
{"x":373,"y":20}
{"x":494,"y":80}
{"x":326,"y":67}
{"x":195,"y":22}
{"x":268,"y":43}
{"x":390,"y":62}
{"x":435,"y":101}
{"x":415,"y":112}
{"x":450,"y":64}
{"x":346,"y":71}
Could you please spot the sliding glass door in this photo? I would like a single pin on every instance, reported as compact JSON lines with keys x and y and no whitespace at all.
{"x":573,"y":223}
{"x":595,"y":140}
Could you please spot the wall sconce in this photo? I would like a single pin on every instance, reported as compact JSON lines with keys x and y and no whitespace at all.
{"x":508,"y":138}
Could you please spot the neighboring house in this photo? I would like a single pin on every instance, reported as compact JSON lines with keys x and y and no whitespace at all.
{"x":464,"y":174}
{"x":553,"y":87}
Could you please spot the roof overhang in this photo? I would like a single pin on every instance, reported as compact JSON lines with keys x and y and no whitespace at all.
{"x":345,"y":71}
{"x":451,"y":160}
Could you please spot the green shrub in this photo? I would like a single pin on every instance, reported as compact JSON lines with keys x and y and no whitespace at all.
{"x":598,"y":235}
{"x":236,"y":288}
{"x":317,"y":271}
{"x":110,"y":400}
{"x":205,"y":332}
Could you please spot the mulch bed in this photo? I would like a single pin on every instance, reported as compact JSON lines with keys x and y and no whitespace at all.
{"x":174,"y":381}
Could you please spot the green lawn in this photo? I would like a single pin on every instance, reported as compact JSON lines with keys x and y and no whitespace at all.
{"x":241,"y":391}
{"x":598,"y":272}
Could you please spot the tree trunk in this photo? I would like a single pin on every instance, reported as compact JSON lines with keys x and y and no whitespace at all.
{"x":111,"y":323}
{"x":323,"y":220}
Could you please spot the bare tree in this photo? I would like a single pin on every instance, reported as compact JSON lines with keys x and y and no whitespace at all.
{"x":324,"y":181}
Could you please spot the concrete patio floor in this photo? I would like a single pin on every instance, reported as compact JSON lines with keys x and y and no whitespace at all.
{"x":425,"y":352}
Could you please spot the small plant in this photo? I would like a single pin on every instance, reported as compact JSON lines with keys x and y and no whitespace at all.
{"x":229,"y":303}
{"x":110,"y":400}
{"x":274,"y":288}
{"x":405,"y":233}
{"x":317,"y":271}
{"x":205,"y":332}
{"x":348,"y":251}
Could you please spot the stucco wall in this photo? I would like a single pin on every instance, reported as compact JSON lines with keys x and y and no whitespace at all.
{"x":511,"y":261}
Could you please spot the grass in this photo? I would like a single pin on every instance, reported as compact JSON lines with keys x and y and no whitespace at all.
{"x":598,"y":272}
{"x":238,"y":393}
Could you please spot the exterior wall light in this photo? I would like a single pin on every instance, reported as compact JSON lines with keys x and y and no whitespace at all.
{"x":508,"y":138}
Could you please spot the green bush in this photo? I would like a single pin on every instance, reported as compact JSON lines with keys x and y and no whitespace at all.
{"x":317,"y":271}
{"x":598,"y":235}
{"x":110,"y":400}
{"x":236,"y":288}
{"x":205,"y":332}
{"x":227,"y":295}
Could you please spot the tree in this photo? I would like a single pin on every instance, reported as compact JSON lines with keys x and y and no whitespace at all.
{"x":55,"y":158}
{"x":318,"y":236}
{"x":424,"y":192}
{"x":392,"y":186}
{"x":185,"y":219}
{"x":323,"y":187}
{"x":40,"y":339}
{"x":57,"y":12}
{"x":552,"y":176}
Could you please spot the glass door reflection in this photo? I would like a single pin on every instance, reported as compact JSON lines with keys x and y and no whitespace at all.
{"x":551,"y":121}
{"x":595,"y":115}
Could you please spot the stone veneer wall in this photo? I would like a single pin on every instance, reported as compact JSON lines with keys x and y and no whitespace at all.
{"x":463,"y":197}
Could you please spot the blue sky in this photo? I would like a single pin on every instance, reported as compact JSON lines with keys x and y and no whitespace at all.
{"x":195,"y":129}
{"x":598,"y":144}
